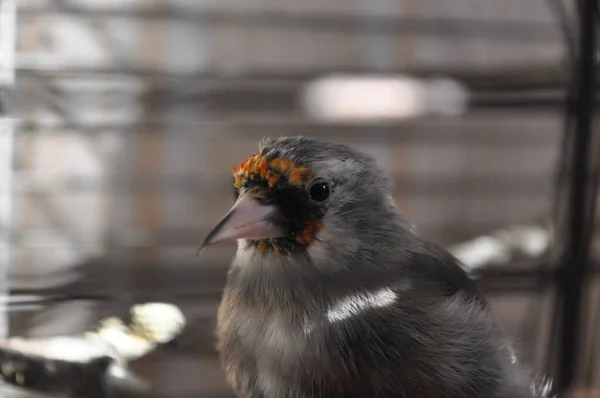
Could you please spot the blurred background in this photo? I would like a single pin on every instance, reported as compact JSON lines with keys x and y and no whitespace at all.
{"x":120,"y":121}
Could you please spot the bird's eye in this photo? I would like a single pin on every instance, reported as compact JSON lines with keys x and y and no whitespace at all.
{"x":319,"y":190}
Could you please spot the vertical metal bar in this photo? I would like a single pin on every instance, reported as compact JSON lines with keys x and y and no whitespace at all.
{"x":148,"y":151}
{"x":575,"y":267}
{"x":147,"y":158}
{"x":7,"y":78}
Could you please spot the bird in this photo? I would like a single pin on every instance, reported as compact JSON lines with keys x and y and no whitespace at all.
{"x":332,"y":294}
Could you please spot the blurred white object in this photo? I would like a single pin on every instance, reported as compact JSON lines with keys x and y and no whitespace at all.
{"x":113,"y":333}
{"x":66,"y":348}
{"x":152,"y":324}
{"x":367,"y":98}
{"x":502,"y":246}
{"x":160,"y":322}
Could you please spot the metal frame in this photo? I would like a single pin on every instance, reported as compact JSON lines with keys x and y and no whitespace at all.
{"x":452,"y":27}
{"x":571,"y":272}
{"x":574,"y":268}
{"x":7,"y":79}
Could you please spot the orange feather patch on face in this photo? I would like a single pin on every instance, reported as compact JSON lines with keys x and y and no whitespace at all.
{"x":276,"y":173}
{"x":271,"y":170}
{"x":310,"y":232}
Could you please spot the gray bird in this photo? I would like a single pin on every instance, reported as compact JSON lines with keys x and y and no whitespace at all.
{"x":332,"y":295}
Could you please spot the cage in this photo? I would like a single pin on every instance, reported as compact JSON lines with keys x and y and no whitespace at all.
{"x":120,"y":121}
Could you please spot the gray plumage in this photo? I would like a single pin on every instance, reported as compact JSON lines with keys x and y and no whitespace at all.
{"x":367,"y":310}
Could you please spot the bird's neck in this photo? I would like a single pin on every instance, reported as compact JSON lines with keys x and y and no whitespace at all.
{"x":323,"y":272}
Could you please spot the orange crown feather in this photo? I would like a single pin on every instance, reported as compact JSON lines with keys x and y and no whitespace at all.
{"x":271,"y":170}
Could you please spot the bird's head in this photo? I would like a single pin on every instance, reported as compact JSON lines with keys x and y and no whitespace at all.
{"x":296,"y":193}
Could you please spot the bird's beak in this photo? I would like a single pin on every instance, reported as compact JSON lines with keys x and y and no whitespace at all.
{"x":247,"y":219}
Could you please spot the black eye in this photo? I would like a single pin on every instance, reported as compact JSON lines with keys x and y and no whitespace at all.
{"x":319,"y":191}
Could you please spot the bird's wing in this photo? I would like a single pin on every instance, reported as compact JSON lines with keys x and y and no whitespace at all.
{"x":433,"y":266}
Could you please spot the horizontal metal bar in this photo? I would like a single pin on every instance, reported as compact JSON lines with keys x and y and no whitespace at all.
{"x":169,"y":237}
{"x":137,"y":282}
{"x":482,"y":187}
{"x":357,"y":24}
{"x":443,"y":131}
{"x":526,"y":76}
{"x":546,"y":99}
{"x":254,"y":97}
{"x":260,"y":95}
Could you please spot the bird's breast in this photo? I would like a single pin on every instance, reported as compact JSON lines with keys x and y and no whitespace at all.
{"x":268,"y":350}
{"x":271,"y":334}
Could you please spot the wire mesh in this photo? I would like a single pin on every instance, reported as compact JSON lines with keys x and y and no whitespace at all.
{"x":129,"y":115}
